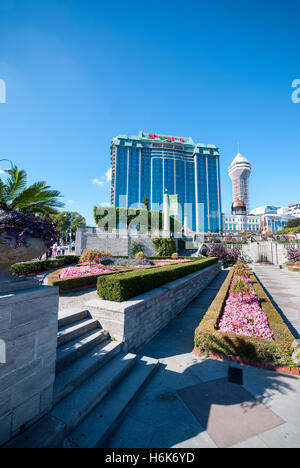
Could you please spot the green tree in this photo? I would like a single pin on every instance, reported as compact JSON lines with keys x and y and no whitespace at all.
{"x":293,"y":223}
{"x":38,"y":198}
{"x":64,"y":219}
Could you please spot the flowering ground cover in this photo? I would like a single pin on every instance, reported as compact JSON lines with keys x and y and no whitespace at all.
{"x":295,"y":267}
{"x":85,"y":270}
{"x":242,"y":313}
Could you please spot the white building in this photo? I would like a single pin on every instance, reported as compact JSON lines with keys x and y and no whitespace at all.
{"x":266,"y":209}
{"x":239,"y":172}
{"x":294,"y":209}
{"x":235,"y":223}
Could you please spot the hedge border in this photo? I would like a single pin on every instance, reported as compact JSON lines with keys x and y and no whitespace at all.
{"x":38,"y":266}
{"x":125,"y":286}
{"x":208,"y":339}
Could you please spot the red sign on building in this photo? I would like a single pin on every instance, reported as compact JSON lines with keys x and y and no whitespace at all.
{"x":153,"y":136}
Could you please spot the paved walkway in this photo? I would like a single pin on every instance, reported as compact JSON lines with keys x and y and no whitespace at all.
{"x":190,"y":403}
{"x":283,"y":287}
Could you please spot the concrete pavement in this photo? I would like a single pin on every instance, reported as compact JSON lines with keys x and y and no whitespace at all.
{"x":189,"y":402}
{"x":283,"y":287}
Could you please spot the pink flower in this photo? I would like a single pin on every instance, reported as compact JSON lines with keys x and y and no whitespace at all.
{"x":242,"y":314}
{"x":86,"y":270}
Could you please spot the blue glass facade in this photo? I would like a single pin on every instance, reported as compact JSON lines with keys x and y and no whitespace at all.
{"x":149,"y":164}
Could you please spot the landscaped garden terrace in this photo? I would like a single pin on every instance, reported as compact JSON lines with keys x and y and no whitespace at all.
{"x":117,"y":278}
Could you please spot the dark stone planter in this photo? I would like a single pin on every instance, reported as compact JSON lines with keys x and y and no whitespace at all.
{"x":9,"y":255}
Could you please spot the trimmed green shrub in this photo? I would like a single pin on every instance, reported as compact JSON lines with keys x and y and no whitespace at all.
{"x":124,"y":286}
{"x":209,"y":339}
{"x":165,"y":246}
{"x":27,"y":268}
{"x":140,"y":255}
{"x":93,"y":256}
{"x":135,"y":247}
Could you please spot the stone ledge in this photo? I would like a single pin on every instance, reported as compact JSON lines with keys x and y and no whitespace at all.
{"x":28,"y":294}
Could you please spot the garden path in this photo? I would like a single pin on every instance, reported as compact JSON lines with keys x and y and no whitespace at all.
{"x":283,"y":287}
{"x":190,"y":403}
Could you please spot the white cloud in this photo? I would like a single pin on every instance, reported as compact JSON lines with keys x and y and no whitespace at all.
{"x":2,"y":172}
{"x":108,"y":175}
{"x":71,"y":202}
{"x":97,"y":182}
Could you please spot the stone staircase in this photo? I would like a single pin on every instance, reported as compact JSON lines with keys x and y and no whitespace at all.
{"x":95,"y":384}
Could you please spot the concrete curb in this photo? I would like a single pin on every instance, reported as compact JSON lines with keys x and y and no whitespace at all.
{"x":249,"y":362}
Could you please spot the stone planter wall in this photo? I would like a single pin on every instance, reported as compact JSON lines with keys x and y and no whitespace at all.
{"x":137,"y":321}
{"x":117,"y":242}
{"x":28,"y":340}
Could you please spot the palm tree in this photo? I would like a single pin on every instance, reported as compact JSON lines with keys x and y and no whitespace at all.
{"x":38,"y":198}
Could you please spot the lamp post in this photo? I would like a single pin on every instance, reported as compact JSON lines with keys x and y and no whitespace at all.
{"x":71,"y":222}
{"x":9,"y":171}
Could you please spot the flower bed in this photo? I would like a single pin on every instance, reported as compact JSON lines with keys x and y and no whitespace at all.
{"x":75,"y":283}
{"x":242,"y":313}
{"x":295,"y":267}
{"x":209,"y":338}
{"x":85,"y":270}
{"x":86,"y":275}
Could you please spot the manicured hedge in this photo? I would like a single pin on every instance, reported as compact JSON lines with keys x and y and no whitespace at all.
{"x":164,"y":246}
{"x":210,"y":340}
{"x":124,"y":286}
{"x":27,"y":268}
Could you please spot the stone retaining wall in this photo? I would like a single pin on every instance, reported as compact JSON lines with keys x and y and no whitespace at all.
{"x":270,"y":252}
{"x":137,"y":321}
{"x":117,"y":242}
{"x":28,"y":337}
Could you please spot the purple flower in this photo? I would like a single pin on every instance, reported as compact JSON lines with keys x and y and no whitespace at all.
{"x":18,"y":226}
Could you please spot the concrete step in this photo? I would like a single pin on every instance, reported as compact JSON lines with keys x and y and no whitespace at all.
{"x":75,"y":329}
{"x":80,"y":370}
{"x":46,"y":433}
{"x":73,"y":409}
{"x":69,"y":352}
{"x":101,"y":423}
{"x":65,"y":317}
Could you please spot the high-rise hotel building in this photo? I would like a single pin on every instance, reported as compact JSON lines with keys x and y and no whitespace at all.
{"x":148,"y":165}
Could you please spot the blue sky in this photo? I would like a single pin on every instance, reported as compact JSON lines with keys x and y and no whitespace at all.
{"x":80,"y":72}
